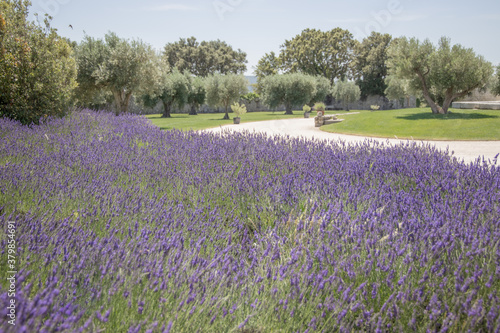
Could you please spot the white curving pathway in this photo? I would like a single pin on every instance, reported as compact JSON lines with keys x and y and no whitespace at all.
{"x":468,"y":151}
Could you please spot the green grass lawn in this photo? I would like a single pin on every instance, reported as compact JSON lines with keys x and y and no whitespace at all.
{"x":421,"y":124}
{"x":204,"y":120}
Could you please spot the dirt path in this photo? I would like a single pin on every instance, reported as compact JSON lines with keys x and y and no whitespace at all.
{"x":468,"y":151}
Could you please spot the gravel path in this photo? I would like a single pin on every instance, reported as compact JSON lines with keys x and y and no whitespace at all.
{"x":468,"y":151}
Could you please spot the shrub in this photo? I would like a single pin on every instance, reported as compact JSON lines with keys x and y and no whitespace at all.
{"x":37,"y":70}
{"x":238,"y":109}
{"x":320,"y":106}
{"x":130,"y":228}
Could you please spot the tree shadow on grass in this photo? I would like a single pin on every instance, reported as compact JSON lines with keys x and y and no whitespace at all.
{"x":173,"y":116}
{"x":449,"y":116}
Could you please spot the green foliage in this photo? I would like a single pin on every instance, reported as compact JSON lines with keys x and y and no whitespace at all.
{"x":205,"y":58}
{"x":369,"y":64}
{"x":306,"y":108}
{"x":347,"y":92}
{"x":174,"y":90}
{"x":398,"y":88}
{"x":442,"y":74}
{"x":496,"y":87}
{"x":315,"y":52}
{"x":323,"y":89}
{"x":37,"y":70}
{"x":268,"y":65}
{"x":119,"y":66}
{"x":238,"y":109}
{"x":251,"y":96}
{"x":320,"y":106}
{"x":197,"y":94}
{"x":222,"y":90}
{"x":288,"y":89}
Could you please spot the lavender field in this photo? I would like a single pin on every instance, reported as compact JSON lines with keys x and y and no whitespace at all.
{"x":122,"y":227}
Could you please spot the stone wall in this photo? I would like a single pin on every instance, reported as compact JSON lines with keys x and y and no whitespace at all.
{"x":383,"y":102}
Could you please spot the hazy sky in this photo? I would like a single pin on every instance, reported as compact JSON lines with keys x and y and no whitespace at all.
{"x":258,"y":26}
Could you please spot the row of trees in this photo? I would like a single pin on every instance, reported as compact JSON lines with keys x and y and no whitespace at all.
{"x":295,"y":89}
{"x":43,"y":74}
{"x":174,"y":78}
{"x":381,"y":65}
{"x":335,"y":55}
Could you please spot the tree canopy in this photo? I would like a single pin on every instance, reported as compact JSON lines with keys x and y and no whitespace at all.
{"x":315,"y":52}
{"x":398,"y":88}
{"x":496,"y":87}
{"x":442,"y":74}
{"x":347,"y":92}
{"x":205,"y":58}
{"x":197,"y":94}
{"x":118,"y":65}
{"x":292,"y":89}
{"x":223,"y":90}
{"x":173,"y":90}
{"x":37,"y":69}
{"x":369,"y":64}
{"x":269,"y":64}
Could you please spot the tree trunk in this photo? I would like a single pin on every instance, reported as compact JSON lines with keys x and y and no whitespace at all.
{"x":434,"y":107}
{"x":122,"y":100}
{"x":226,"y":116}
{"x":193,"y":112}
{"x":450,"y":97}
{"x":447,"y":102}
{"x":288,"y":108}
{"x":166,"y":110}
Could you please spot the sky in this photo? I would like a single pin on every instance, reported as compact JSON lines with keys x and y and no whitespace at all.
{"x":258,"y":27}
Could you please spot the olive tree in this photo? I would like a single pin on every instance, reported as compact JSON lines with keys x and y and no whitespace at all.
{"x":173,"y":91}
{"x":442,"y":74}
{"x":120,"y":66}
{"x":323,"y":89}
{"x":223,"y":90}
{"x":399,"y":89}
{"x":496,"y":87}
{"x":37,"y":68}
{"x":197,"y":94}
{"x":292,"y":89}
{"x":347,"y":92}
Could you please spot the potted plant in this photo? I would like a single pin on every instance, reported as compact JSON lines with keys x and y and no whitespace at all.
{"x":307,"y":111}
{"x":320,"y":108}
{"x":238,"y":110}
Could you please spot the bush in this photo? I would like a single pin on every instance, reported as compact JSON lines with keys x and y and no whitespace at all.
{"x":37,"y":71}
{"x":320,"y":106}
{"x":238,"y":109}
